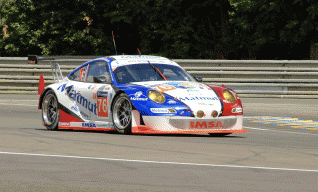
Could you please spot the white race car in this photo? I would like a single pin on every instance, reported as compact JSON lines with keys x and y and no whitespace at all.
{"x":138,"y":94}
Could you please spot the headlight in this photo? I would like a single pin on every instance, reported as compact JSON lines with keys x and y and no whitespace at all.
{"x":229,"y":96}
{"x":156,"y":96}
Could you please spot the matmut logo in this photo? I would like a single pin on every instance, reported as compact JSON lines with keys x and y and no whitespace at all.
{"x":206,"y":124}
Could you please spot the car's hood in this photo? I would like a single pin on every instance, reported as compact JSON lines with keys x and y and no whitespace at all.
{"x":197,"y":96}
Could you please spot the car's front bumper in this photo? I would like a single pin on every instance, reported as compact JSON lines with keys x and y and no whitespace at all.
{"x":180,"y":124}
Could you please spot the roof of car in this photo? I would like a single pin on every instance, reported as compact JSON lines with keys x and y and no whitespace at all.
{"x":138,"y":57}
{"x":121,"y":60}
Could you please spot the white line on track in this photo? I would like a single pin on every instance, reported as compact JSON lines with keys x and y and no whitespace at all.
{"x":159,"y":162}
{"x":278,"y":131}
{"x":18,"y":104}
{"x":17,"y":100}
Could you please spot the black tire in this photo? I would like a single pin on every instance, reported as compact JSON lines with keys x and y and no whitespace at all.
{"x":219,"y":134}
{"x":121,"y":114}
{"x":50,"y":111}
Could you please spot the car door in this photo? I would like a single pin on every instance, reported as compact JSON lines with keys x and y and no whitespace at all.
{"x":98,"y":91}
{"x":78,"y":93}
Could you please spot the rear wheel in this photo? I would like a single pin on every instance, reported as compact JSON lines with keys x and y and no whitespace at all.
{"x":122,"y":114}
{"x":50,"y":111}
{"x":219,"y":134}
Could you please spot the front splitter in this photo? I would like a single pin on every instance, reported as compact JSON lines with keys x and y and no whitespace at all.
{"x":149,"y":130}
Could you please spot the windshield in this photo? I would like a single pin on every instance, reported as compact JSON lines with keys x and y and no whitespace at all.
{"x":144,"y":72}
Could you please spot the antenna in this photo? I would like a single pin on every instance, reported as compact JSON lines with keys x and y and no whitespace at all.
{"x":139,"y":51}
{"x":114,"y":42}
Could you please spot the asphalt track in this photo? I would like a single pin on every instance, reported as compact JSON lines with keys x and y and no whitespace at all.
{"x":267,"y":158}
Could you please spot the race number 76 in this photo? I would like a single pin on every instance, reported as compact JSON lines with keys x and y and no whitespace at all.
{"x":102,"y":108}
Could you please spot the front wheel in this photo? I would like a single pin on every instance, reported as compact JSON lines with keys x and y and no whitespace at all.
{"x":122,"y":114}
{"x":50,"y":111}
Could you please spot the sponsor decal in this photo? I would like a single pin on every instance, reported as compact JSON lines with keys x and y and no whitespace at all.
{"x":237,"y":110}
{"x":106,"y":88}
{"x":65,"y":124}
{"x":162,"y":110}
{"x":138,"y":99}
{"x":94,"y":96}
{"x":206,"y":124}
{"x":194,"y":86}
{"x":193,"y":90}
{"x":137,"y":96}
{"x":65,"y":88}
{"x":140,"y":57}
{"x":92,"y":87}
{"x":205,"y":104}
{"x":171,"y":102}
{"x":136,"y":61}
{"x":187,"y":85}
{"x":102,"y":94}
{"x":88,"y":125}
{"x":75,"y":108}
{"x":163,"y":88}
{"x":197,"y":98}
{"x":76,"y":96}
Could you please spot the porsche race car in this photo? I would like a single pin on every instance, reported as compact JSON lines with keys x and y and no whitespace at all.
{"x":141,"y":94}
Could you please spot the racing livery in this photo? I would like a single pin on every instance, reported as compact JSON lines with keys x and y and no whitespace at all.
{"x":138,"y":94}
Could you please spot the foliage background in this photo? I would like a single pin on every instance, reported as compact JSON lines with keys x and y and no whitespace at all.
{"x":179,"y":29}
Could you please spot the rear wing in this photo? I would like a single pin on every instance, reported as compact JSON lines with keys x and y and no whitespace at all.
{"x":56,"y":69}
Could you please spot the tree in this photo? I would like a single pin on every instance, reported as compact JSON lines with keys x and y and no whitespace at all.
{"x":177,"y":29}
{"x":180,"y":29}
{"x":274,"y":29}
{"x":44,"y":28}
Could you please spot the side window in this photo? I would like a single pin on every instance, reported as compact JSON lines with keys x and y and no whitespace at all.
{"x":98,"y":69}
{"x":79,"y":75}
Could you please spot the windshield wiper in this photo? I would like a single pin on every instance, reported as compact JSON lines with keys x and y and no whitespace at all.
{"x":157,"y":71}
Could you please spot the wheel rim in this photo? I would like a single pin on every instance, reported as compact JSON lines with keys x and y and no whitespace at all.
{"x":122,"y":113}
{"x":50,"y":111}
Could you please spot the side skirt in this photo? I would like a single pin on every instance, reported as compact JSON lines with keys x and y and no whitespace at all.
{"x":68,"y":121}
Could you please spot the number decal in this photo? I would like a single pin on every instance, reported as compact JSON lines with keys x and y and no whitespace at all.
{"x":102,"y":108}
{"x":82,"y":74}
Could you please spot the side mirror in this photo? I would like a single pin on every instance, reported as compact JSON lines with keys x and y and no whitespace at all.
{"x":101,"y":80}
{"x":198,"y":78}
